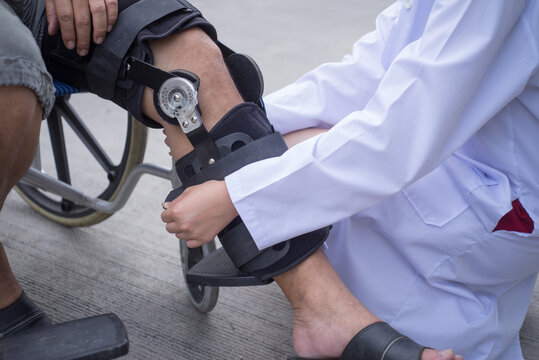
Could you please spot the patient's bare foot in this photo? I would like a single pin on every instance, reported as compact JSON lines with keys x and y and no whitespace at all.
{"x":326,"y":314}
{"x":327,"y":338}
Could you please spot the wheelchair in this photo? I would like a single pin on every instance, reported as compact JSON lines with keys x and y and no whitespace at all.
{"x":113,"y":165}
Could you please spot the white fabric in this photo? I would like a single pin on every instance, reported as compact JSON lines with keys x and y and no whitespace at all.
{"x":433,"y":124}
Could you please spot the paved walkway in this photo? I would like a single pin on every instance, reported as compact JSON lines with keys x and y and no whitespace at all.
{"x":129,"y":265}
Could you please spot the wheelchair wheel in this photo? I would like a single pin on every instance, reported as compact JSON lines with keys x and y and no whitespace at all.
{"x":98,"y":166}
{"x":203,"y":298}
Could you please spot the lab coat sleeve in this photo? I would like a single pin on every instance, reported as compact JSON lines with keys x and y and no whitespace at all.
{"x":323,"y":96}
{"x":436,"y":93}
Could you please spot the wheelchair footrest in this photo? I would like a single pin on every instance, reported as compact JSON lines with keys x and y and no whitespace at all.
{"x":216,"y":269}
{"x":98,"y":338}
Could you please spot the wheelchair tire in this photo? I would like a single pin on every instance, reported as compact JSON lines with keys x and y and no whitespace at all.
{"x":203,"y":298}
{"x":63,"y":211}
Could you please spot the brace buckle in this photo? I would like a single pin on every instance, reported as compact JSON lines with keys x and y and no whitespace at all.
{"x":176,"y":95}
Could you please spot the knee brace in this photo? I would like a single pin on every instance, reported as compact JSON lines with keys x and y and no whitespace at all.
{"x":104,"y":70}
{"x":120,"y":68}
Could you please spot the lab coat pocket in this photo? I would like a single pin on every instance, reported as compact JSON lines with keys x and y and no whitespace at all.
{"x":444,"y":193}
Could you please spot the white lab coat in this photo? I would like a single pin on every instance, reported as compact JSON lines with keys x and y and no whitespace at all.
{"x":433,"y":130}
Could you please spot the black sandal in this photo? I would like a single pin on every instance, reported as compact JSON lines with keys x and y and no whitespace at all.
{"x":26,"y":333}
{"x":379,"y":341}
{"x":23,"y":314}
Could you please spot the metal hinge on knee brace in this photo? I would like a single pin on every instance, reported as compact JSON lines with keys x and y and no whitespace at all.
{"x":176,"y":101}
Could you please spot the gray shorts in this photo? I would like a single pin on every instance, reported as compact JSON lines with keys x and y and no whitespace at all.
{"x":20,"y":59}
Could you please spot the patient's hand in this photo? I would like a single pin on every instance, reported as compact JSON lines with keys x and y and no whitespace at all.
{"x":199,"y":213}
{"x":75,"y":18}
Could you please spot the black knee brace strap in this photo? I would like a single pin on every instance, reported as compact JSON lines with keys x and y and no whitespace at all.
{"x":248,"y":151}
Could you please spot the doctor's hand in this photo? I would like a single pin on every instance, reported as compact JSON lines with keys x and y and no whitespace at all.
{"x":75,"y":19}
{"x":199,"y":213}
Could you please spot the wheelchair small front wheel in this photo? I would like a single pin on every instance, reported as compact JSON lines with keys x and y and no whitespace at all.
{"x":203,"y":298}
{"x":94,"y":161}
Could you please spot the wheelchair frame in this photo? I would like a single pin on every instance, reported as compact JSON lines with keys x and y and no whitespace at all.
{"x":122,"y":178}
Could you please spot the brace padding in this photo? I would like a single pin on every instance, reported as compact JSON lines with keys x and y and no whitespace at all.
{"x":247,"y":77}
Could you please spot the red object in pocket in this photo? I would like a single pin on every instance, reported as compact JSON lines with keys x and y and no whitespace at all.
{"x":516,"y":220}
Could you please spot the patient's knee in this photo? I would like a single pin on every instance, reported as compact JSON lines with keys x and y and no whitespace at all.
{"x":20,"y":119}
{"x":19,"y":106}
{"x":192,"y":46}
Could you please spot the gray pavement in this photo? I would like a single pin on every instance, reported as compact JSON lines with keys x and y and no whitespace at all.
{"x":128,"y":264}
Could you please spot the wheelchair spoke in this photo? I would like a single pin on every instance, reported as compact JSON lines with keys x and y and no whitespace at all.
{"x":87,"y":138}
{"x":56,"y":133}
{"x":67,"y":153}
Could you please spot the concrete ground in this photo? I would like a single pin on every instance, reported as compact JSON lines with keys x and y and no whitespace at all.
{"x":129,"y":265}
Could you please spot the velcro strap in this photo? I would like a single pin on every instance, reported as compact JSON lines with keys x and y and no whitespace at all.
{"x":205,"y":148}
{"x":269,"y":146}
{"x":239,"y":245}
{"x":242,"y":249}
{"x":104,"y":66}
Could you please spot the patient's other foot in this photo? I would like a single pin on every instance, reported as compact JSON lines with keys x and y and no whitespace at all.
{"x":326,"y":314}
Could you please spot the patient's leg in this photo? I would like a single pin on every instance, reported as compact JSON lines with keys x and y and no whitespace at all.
{"x":194,"y":51}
